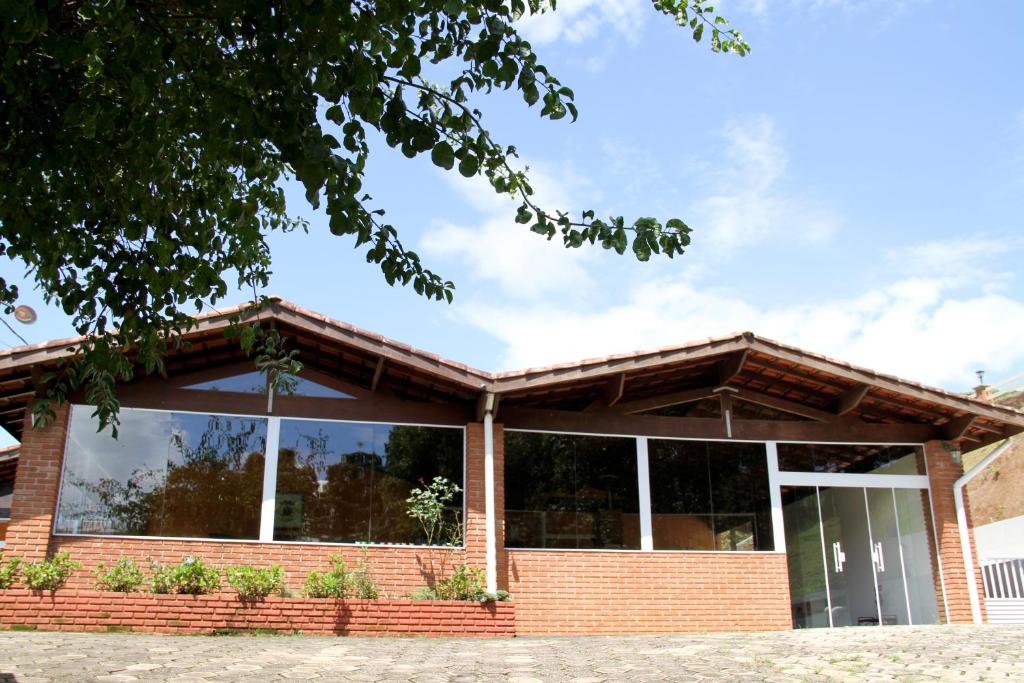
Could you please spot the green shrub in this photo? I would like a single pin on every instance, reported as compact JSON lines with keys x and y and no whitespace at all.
{"x":191,"y":577}
{"x":336,"y":582}
{"x":465,"y":583}
{"x":424,"y":594}
{"x":360,"y":581}
{"x":49,"y":575}
{"x":361,"y":585}
{"x":9,"y":572}
{"x":124,"y":577}
{"x":254,"y":583}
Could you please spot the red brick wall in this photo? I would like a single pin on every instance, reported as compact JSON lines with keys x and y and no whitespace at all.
{"x":942,"y":473}
{"x":96,"y":611}
{"x":36,"y":486}
{"x":636,"y":592}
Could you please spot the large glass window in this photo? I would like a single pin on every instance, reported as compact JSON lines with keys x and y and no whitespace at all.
{"x":565,"y":491}
{"x":348,"y":482}
{"x":850,"y":458}
{"x":708,"y":495}
{"x":167,"y":474}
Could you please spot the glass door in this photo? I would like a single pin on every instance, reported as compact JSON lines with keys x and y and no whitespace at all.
{"x":847,"y":542}
{"x":858,"y":556}
{"x":807,"y":584}
{"x":887,"y":557}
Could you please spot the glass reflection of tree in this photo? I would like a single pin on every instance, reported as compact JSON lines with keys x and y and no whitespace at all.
{"x":211,"y":487}
{"x":360,"y":495}
{"x":331,"y":489}
{"x":413,"y":455}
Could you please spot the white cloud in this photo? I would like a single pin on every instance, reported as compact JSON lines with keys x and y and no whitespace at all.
{"x":882,"y":8}
{"x":934,"y":312}
{"x":746,"y":200}
{"x":523,"y":264}
{"x":576,"y":21}
{"x":915,"y":327}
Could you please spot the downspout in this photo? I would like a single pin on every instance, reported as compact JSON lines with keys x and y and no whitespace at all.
{"x":490,"y":534}
{"x":965,"y":534}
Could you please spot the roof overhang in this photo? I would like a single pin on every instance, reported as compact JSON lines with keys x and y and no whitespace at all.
{"x":776,"y":378}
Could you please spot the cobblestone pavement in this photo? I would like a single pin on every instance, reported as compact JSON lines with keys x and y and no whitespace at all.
{"x":936,"y":653}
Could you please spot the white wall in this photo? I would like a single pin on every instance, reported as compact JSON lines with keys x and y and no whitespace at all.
{"x":1000,"y":540}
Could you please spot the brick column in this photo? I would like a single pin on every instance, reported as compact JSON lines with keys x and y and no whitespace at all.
{"x":476,"y":534}
{"x":476,"y":541}
{"x":36,"y":486}
{"x":942,"y":474}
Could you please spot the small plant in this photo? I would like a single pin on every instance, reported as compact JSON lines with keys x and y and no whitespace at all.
{"x":424,"y":594}
{"x":124,"y":577}
{"x":191,"y":577}
{"x":49,"y":575}
{"x":9,"y":572}
{"x":360,"y":581}
{"x":465,"y":583}
{"x":255,"y":583}
{"x":442,"y":531}
{"x":333,"y":583}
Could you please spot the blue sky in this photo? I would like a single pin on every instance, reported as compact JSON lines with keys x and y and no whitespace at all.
{"x":855,"y":188}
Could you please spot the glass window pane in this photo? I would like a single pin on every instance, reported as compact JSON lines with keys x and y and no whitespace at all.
{"x":408,"y":457}
{"x":247,"y":383}
{"x":850,"y":458}
{"x":709,"y":496}
{"x":805,"y":558}
{"x":914,"y":512}
{"x":740,"y":497}
{"x":167,"y":474}
{"x":568,"y":491}
{"x":6,"y":496}
{"x":680,"y":495}
{"x":345,"y":482}
{"x":307,"y":387}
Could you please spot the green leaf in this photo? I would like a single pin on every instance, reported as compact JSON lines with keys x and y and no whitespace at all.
{"x":469,"y":165}
{"x":443,"y":155}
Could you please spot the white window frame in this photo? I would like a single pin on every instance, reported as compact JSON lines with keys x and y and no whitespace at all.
{"x":269,"y":490}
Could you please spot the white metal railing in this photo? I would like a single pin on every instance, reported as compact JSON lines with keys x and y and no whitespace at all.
{"x":1004,"y":578}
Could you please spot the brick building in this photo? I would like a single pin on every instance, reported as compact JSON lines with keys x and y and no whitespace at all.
{"x":728,"y":484}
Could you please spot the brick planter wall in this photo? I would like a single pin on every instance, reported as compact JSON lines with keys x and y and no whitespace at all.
{"x":87,"y":610}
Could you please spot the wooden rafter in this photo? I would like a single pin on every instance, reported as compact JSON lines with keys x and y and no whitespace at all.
{"x":665,"y":400}
{"x":614,"y":388}
{"x":784,"y":405}
{"x":843,"y":430}
{"x":849,"y":399}
{"x":957,"y":427}
{"x":731,"y":366}
{"x":377,"y":374}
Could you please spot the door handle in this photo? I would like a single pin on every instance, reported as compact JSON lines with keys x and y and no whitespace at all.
{"x":878,"y":557}
{"x":838,"y":557}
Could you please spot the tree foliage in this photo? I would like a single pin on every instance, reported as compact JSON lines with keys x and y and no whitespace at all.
{"x":145,"y":145}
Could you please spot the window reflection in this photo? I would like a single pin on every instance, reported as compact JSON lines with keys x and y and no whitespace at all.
{"x":709,"y":496}
{"x":348,"y":482}
{"x":566,"y":491}
{"x":167,"y":474}
{"x":850,"y":458}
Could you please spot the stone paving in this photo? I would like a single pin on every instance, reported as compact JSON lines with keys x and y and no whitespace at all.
{"x":937,"y":653}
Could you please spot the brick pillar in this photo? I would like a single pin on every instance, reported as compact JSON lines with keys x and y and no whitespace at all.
{"x":476,"y":529}
{"x":476,"y":541}
{"x":36,"y":486}
{"x":499,"y":504}
{"x":942,"y":473}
